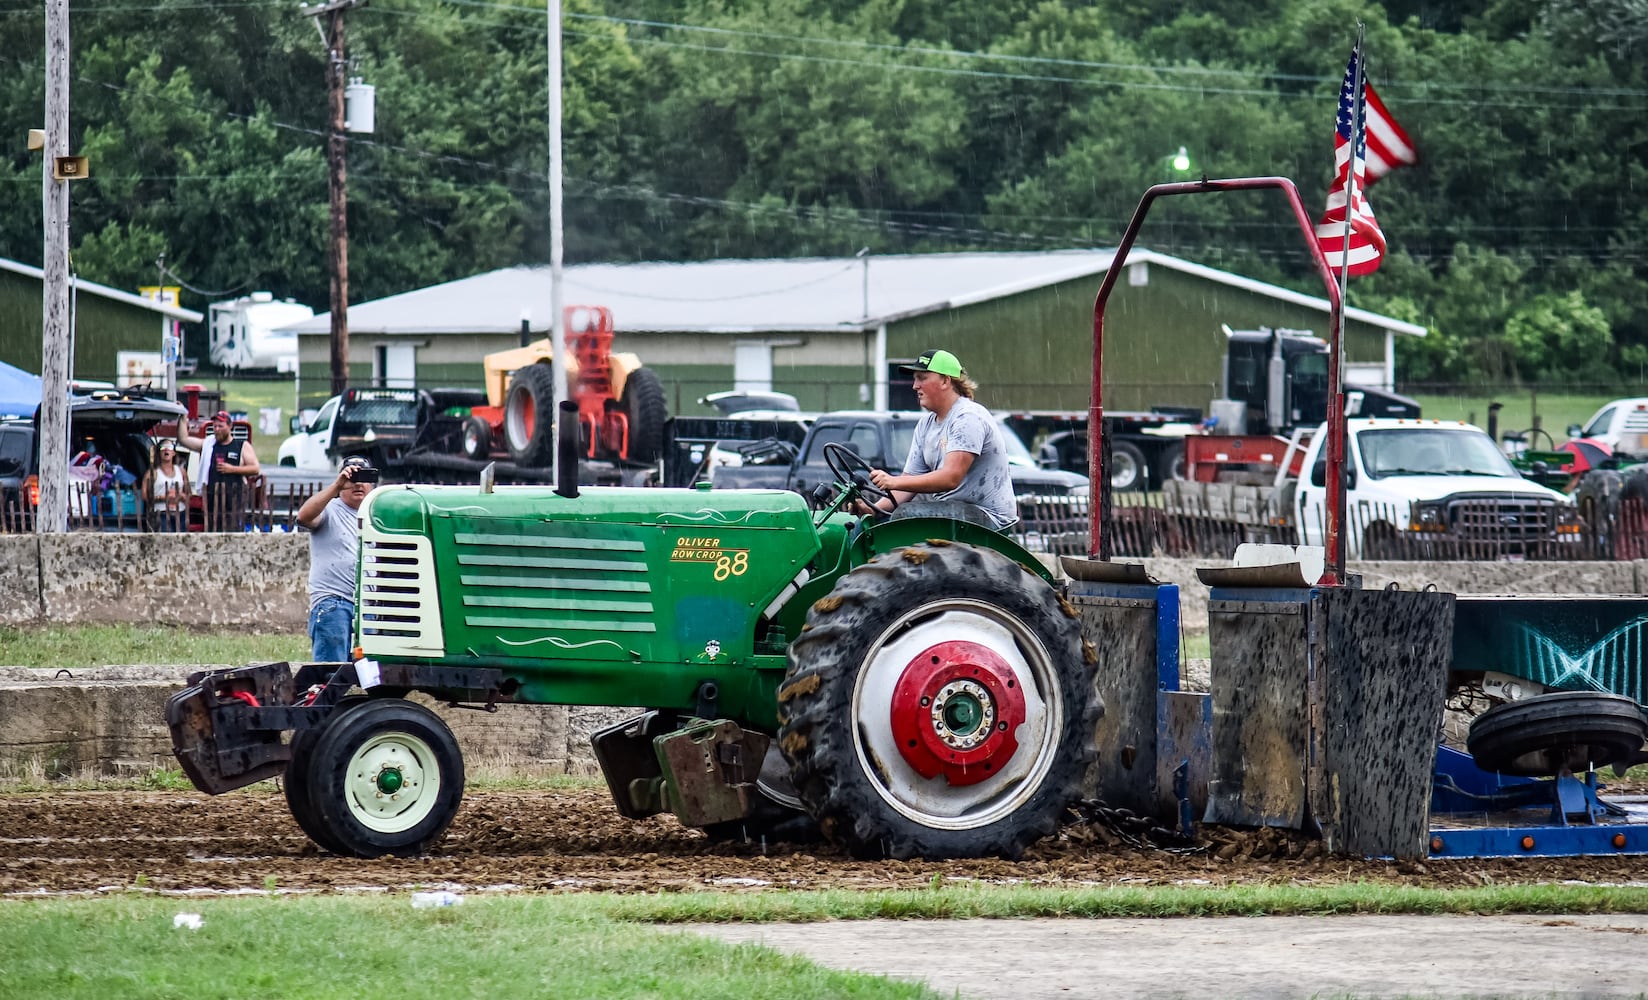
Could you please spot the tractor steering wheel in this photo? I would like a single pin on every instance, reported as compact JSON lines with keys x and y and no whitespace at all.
{"x":850,"y":469}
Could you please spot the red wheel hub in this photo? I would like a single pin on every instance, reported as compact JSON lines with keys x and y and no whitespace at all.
{"x":956,"y":711}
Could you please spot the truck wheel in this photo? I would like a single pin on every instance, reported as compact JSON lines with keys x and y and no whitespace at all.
{"x":1170,"y":462}
{"x":529,"y":416}
{"x":938,"y":704}
{"x":1564,"y":731}
{"x":1597,"y":497}
{"x":477,"y":439}
{"x":644,"y":404}
{"x":387,"y":778}
{"x":1127,"y":467}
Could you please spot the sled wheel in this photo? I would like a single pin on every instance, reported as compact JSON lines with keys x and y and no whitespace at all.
{"x":644,"y":405}
{"x":388,"y":778}
{"x":529,"y":416}
{"x":1127,"y":467}
{"x":477,"y":439}
{"x":1565,"y":731}
{"x":938,"y":704}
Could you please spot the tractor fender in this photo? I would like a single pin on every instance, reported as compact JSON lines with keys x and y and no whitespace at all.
{"x":897,"y":533}
{"x":622,"y":365}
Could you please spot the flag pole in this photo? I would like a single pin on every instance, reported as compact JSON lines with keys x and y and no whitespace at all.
{"x":1335,"y":533}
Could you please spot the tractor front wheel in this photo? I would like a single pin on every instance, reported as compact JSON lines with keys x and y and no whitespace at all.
{"x":477,"y":439}
{"x":386,"y":778}
{"x":938,"y":704}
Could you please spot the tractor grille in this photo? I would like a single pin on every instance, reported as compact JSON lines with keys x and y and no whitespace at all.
{"x":583,"y":583}
{"x":399,"y":611}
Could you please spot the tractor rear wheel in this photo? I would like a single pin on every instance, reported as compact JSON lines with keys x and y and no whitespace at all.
{"x":387,"y":779}
{"x":1565,"y":731}
{"x":477,"y":439}
{"x":529,"y":416}
{"x":644,"y":405}
{"x":938,"y":704}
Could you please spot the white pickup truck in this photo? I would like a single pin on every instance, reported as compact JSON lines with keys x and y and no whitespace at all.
{"x":1430,"y":489}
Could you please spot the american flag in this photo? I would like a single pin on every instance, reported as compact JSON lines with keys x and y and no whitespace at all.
{"x":1382,"y":147}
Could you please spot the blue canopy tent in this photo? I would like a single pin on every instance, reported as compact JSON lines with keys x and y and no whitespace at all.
{"x":19,"y":392}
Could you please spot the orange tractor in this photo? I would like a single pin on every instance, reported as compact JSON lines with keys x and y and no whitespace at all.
{"x":621,"y":407}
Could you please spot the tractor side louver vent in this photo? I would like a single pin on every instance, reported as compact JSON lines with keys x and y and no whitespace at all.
{"x":399,"y":611}
{"x":531,"y":588}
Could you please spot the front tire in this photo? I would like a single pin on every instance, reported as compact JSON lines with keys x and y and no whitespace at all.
{"x":1562,"y":731}
{"x":1127,"y":467}
{"x":938,"y":704}
{"x":477,"y":439}
{"x":387,"y":778}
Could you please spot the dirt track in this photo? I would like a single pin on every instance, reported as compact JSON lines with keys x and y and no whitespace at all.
{"x":573,"y":840}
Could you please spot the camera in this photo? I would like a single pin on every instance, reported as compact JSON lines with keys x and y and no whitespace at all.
{"x":364,"y":475}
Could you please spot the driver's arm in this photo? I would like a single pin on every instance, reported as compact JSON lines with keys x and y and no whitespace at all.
{"x":946,"y":477}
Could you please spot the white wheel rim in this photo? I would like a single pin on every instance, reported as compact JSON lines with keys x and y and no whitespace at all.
{"x":1123,"y":470}
{"x":934,"y":802}
{"x":393,"y":783}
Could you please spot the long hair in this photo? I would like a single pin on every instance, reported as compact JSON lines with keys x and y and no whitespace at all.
{"x":965,"y":386}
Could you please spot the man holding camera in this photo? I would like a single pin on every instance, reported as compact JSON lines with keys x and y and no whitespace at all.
{"x":332,"y":518}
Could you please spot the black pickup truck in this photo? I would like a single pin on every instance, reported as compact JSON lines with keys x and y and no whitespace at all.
{"x":883,"y":440}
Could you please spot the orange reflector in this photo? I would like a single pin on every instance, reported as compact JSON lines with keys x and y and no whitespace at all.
{"x":1527,"y":843}
{"x":1619,"y":840}
{"x":1436,"y":845}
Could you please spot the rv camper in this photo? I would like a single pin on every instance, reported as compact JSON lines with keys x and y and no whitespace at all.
{"x":244,"y":332}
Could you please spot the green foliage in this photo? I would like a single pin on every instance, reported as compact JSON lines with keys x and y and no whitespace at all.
{"x":1555,"y":336}
{"x":704,"y":128}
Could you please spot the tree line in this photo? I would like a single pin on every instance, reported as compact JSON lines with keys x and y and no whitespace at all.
{"x":697,"y":129}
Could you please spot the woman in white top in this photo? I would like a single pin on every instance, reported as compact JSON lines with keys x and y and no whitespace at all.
{"x":166,"y":490}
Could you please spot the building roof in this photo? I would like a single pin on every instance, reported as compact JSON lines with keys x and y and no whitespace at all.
{"x":173,"y":312}
{"x":806,"y":295}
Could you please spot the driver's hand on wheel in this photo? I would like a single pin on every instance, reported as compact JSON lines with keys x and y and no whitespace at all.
{"x":882,"y":480}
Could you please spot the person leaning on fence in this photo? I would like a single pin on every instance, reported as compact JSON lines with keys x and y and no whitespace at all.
{"x":165,"y":490}
{"x":957,"y":454}
{"x":226,"y":466}
{"x":332,"y":519}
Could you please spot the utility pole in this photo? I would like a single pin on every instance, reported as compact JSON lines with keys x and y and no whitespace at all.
{"x":337,"y":178}
{"x":52,"y":515}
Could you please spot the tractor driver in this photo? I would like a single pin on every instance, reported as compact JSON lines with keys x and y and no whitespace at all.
{"x":957,"y":454}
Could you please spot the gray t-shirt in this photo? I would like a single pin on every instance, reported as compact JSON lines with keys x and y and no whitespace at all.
{"x":968,"y":427}
{"x":334,"y":549}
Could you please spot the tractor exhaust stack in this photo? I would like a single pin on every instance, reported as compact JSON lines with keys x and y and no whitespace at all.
{"x":566,"y":451}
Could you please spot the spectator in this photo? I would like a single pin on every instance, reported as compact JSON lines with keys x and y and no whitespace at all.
{"x":333,"y":521}
{"x":166,"y":490}
{"x":226,"y":465}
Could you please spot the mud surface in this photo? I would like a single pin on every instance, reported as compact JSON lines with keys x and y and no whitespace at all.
{"x":573,"y":840}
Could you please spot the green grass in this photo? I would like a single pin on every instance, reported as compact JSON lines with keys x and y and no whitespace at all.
{"x":325,"y":947}
{"x":590,"y":946}
{"x":1195,"y":646}
{"x":74,"y":646}
{"x":251,"y":396}
{"x":1556,"y":410}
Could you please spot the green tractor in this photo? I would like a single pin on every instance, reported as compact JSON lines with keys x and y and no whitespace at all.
{"x":911,"y":686}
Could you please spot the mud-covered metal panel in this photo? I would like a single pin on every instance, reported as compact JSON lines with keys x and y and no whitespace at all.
{"x":1120,"y":620}
{"x":1184,"y":740}
{"x":1260,"y":726}
{"x":1381,"y":661}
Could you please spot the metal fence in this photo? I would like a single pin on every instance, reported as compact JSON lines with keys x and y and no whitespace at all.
{"x":1184,"y":520}
{"x":256,"y":506}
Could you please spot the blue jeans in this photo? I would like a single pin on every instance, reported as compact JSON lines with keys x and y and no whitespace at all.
{"x":331,"y":626}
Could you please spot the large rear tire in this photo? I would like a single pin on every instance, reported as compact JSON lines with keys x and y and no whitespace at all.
{"x":529,"y":416}
{"x":938,"y":704}
{"x":387,"y":778}
{"x":645,"y":406}
{"x":1564,"y":731}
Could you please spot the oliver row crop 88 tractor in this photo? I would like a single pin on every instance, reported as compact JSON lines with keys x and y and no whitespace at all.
{"x":915,"y":685}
